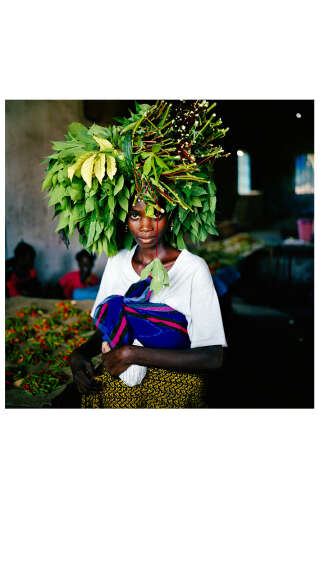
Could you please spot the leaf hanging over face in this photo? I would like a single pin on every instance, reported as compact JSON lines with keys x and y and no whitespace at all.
{"x":87,"y":170}
{"x":100,"y":167}
{"x":111,"y":167}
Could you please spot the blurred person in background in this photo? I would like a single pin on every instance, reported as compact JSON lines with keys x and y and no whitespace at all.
{"x":80,"y":284}
{"x":21,"y":277}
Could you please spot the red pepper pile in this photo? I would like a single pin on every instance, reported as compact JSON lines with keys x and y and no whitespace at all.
{"x":39,"y":344}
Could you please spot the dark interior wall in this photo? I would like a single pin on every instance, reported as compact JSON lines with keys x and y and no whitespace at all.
{"x":273,"y":136}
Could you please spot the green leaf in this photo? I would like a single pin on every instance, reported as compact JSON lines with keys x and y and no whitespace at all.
{"x":111,"y":166}
{"x":195,"y":225}
{"x":180,"y":242}
{"x":119,"y":185}
{"x":149,"y":211}
{"x":81,"y":133}
{"x":77,"y":165}
{"x":63,"y":221}
{"x":111,"y":203}
{"x":147,"y":166}
{"x":182,"y":215}
{"x":56,"y":195}
{"x":127,"y":148}
{"x":92,"y":231}
{"x":78,"y":213}
{"x":198,"y":192}
{"x":155,"y":174}
{"x":104,"y":144}
{"x":62,"y":175}
{"x":99,"y":131}
{"x":196,"y":202}
{"x":212,"y":188}
{"x":156,"y":286}
{"x":202,"y":234}
{"x":176,"y":226}
{"x":49,"y":176}
{"x":99,"y":229}
{"x":75,"y":194}
{"x":109,"y":232}
{"x":123,"y":215}
{"x":87,"y":170}
{"x":100,"y":167}
{"x":213,"y":201}
{"x":124,"y":203}
{"x":156,"y":148}
{"x":161,"y":163}
{"x":90,"y":204}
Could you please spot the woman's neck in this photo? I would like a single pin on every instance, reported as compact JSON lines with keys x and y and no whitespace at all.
{"x":145,"y":255}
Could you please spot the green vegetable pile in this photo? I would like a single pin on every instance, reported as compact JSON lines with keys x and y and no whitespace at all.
{"x":162,"y":151}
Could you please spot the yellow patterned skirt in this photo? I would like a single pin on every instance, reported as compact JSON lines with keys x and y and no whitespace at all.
{"x":159,"y":389}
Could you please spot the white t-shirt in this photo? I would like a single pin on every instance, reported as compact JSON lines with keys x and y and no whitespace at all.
{"x":191,"y":291}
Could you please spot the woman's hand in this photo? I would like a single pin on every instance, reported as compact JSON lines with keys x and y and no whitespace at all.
{"x":117,"y":361}
{"x":83,"y":373}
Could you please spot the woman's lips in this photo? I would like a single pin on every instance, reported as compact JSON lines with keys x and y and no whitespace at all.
{"x":146,"y":237}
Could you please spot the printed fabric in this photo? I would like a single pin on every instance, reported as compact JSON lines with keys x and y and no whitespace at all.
{"x":122,"y":319}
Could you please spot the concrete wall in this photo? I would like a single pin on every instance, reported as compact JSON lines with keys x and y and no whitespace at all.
{"x":30,"y":126}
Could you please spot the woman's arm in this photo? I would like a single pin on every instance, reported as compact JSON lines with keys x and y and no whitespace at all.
{"x":194,"y":360}
{"x":81,"y":366}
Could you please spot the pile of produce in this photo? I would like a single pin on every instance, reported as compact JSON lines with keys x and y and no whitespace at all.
{"x":39,"y":344}
{"x":229,"y":251}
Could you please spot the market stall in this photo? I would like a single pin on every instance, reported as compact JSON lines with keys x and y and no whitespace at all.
{"x":40,"y":336}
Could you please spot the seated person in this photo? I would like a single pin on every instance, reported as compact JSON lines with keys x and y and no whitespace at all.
{"x":81,"y":279}
{"x":21,"y":277}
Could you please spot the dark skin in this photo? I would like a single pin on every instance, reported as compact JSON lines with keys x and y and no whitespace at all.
{"x":22,"y":265}
{"x":85,"y":267}
{"x":204,"y":359}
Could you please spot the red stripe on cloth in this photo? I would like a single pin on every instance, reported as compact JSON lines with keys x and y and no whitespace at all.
{"x":172,"y":324}
{"x":158,"y":308}
{"x":119,"y":332}
{"x":102,"y":310}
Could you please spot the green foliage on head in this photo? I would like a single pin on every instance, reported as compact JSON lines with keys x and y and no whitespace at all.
{"x":161,"y":151}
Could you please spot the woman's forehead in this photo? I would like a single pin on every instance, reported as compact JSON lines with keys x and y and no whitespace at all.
{"x":139,"y":205}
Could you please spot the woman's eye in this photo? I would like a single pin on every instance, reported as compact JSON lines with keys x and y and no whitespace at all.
{"x":134,"y":216}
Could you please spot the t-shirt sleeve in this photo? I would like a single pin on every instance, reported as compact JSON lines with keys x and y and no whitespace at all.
{"x":64,"y":280}
{"x":206,"y":326}
{"x":102,"y":292}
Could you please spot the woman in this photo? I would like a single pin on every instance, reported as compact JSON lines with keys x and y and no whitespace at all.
{"x":172,"y":378}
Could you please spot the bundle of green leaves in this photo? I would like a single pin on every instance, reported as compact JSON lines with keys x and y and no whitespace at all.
{"x":162,"y":153}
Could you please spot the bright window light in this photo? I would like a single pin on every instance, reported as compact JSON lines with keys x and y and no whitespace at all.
{"x":244,"y":173}
{"x":304,"y":176}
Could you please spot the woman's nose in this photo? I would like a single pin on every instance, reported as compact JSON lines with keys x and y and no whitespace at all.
{"x":146,"y":223}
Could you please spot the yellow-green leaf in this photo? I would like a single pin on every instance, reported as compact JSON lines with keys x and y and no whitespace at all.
{"x":100,"y":167}
{"x":104,"y":144}
{"x":111,"y":166}
{"x":73,"y":168}
{"x":87,"y":170}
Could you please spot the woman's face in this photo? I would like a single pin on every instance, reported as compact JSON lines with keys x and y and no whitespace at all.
{"x":144,"y":228}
